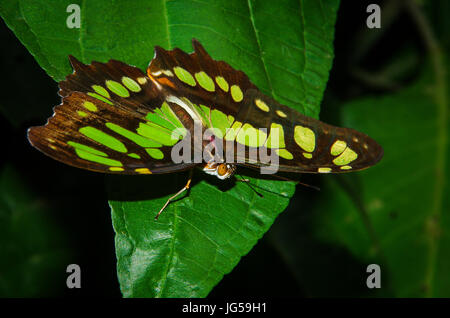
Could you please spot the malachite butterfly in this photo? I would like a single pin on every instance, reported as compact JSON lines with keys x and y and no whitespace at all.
{"x":116,"y":119}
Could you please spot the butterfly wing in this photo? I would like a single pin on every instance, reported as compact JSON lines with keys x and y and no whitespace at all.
{"x":202,"y":79}
{"x":224,"y":98}
{"x":112,"y":119}
{"x":306,"y":145}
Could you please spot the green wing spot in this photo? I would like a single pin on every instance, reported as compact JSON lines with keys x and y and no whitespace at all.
{"x":92,"y":157}
{"x":117,"y":88}
{"x":215,"y":119}
{"x":250,"y":136}
{"x":131,"y":84}
{"x":305,"y":138}
{"x":220,"y":121}
{"x":90,"y":106}
{"x":86,"y":148}
{"x":280,"y":113}
{"x":103,"y":138}
{"x":103,"y":99}
{"x":205,"y":81}
{"x":164,"y":117}
{"x":233,"y":131}
{"x":101,"y":90}
{"x":346,"y":157}
{"x":160,"y":120}
{"x":276,"y":136}
{"x":155,"y":153}
{"x":116,"y":169}
{"x":307,"y":155}
{"x":165,"y":108}
{"x":223,"y":84}
{"x":134,"y":155}
{"x":236,"y":93}
{"x":137,"y":139}
{"x":283,"y":153}
{"x":262,"y":105}
{"x":184,"y":76}
{"x":158,"y":133}
{"x":203,"y":111}
{"x":81,"y":113}
{"x":338,"y":147}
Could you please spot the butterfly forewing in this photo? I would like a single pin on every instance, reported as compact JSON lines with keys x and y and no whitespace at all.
{"x":200,"y":79}
{"x":112,"y":119}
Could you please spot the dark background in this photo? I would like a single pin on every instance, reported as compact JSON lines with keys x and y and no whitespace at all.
{"x":85,"y":235}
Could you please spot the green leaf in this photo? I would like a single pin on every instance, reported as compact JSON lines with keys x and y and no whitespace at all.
{"x":196,"y":240}
{"x":286,"y":50}
{"x":399,"y":220}
{"x":33,"y":250}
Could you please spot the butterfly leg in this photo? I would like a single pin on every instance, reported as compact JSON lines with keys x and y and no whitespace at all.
{"x":247,"y":182}
{"x":186,"y":187}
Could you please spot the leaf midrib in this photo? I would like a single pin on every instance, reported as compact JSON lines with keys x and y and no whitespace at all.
{"x":176,"y":207}
{"x":255,"y":32}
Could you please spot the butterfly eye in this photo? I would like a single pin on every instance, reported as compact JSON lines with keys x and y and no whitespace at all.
{"x":222,"y":169}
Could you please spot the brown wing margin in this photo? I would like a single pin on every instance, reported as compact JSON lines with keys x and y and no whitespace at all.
{"x":162,"y":67}
{"x":88,"y":101}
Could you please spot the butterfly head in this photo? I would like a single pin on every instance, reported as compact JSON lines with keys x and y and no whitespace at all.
{"x":220,"y":170}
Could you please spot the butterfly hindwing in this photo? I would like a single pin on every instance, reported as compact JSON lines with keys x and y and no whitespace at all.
{"x":307,"y":145}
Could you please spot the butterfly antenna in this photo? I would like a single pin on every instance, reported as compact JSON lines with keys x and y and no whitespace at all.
{"x":303,"y":184}
{"x":247,"y":182}
{"x":287,"y":179}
